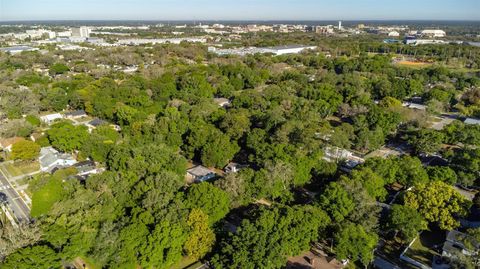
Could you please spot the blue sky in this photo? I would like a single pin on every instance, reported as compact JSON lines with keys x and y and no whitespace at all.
{"x":239,"y":9}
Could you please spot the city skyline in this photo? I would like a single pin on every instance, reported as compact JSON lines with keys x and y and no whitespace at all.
{"x":238,"y":10}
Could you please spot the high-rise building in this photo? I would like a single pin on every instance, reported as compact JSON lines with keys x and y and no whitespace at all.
{"x":81,"y":32}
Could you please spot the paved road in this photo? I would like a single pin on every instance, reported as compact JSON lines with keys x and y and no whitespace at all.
{"x":15,"y":202}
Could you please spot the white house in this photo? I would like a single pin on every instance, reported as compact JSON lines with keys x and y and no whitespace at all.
{"x":50,"y":159}
{"x":50,"y":118}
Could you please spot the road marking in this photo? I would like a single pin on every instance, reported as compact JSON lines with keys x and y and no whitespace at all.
{"x":3,"y":187}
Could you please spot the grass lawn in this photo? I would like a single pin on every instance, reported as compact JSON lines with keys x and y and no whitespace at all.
{"x":184,"y":263}
{"x":420,"y":253}
{"x":44,"y":198}
{"x":20,"y":168}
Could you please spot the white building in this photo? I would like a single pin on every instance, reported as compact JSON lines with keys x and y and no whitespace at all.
{"x":153,"y":41}
{"x":18,"y":49}
{"x":64,"y":34}
{"x":81,"y":32}
{"x":424,"y":42}
{"x":38,"y":33}
{"x":50,"y":118}
{"x":281,"y":50}
{"x":433,"y":33}
{"x":472,"y":121}
{"x":394,"y":34}
{"x":328,"y":29}
{"x":50,"y":159}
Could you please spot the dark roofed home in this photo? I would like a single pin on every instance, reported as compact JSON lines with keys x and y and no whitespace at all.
{"x":97,"y":122}
{"x":86,"y":167}
{"x":75,"y":114}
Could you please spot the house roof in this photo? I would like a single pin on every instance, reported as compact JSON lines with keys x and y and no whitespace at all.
{"x":75,"y":113}
{"x":97,"y":122}
{"x":199,"y":171}
{"x":51,"y":117}
{"x":85,"y":166}
{"x":49,"y":156}
{"x":472,"y":121}
{"x":221,"y":101}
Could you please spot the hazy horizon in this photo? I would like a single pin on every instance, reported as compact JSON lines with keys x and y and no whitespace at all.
{"x":247,"y":10}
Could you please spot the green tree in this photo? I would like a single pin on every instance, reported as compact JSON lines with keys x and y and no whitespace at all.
{"x":442,"y":173}
{"x":33,"y":120}
{"x":407,"y":221}
{"x":201,"y":238}
{"x":426,"y":141}
{"x":237,"y":123}
{"x":410,"y":171}
{"x":438,"y":202}
{"x":210,"y":199}
{"x":58,"y":68}
{"x":219,"y":151}
{"x":25,"y":150}
{"x":336,"y":201}
{"x":275,"y":234}
{"x":372,"y":182}
{"x":41,"y":257}
{"x":354,"y":243}
{"x":55,"y":99}
{"x":66,"y":136}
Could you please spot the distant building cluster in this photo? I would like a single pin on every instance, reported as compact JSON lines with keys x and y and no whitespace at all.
{"x":280,"y":50}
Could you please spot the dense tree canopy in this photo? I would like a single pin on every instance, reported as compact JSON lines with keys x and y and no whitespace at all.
{"x":276,"y":117}
{"x":438,"y":203}
{"x":25,"y":150}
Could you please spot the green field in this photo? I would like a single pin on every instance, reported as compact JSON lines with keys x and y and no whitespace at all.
{"x":43,"y":199}
{"x":20,"y":168}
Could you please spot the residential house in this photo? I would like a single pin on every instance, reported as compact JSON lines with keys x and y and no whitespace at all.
{"x":93,"y":124}
{"x":348,"y":159}
{"x":472,"y":121}
{"x":222,"y":102}
{"x":86,"y":168}
{"x":97,"y":122}
{"x":50,"y":118}
{"x":6,"y":144}
{"x":414,"y":106}
{"x":199,"y":173}
{"x":234,"y":167}
{"x":454,"y":245}
{"x":77,"y":114}
{"x":51,"y":159}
